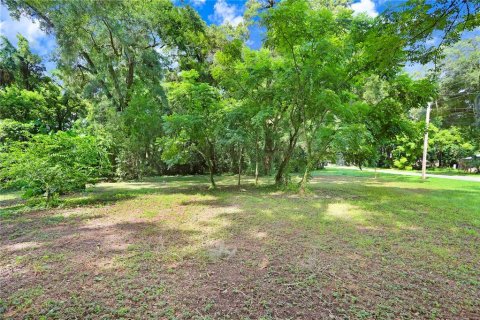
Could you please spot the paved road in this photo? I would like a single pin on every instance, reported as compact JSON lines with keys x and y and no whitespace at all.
{"x":415,"y":174}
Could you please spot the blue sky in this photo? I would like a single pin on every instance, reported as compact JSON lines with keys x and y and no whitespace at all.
{"x":218,"y":12}
{"x":212,"y":11}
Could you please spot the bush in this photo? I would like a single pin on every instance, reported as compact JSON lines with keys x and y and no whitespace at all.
{"x":52,"y":164}
{"x":11,"y":130}
{"x":402,"y":164}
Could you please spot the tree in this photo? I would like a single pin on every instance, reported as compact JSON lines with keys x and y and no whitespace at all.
{"x":416,"y":22}
{"x":387,"y":109}
{"x":108,"y":46}
{"x":11,"y":130}
{"x":325,"y":52}
{"x":19,"y":65}
{"x":48,"y":107}
{"x":447,"y":146}
{"x":356,"y":144}
{"x":408,"y":147}
{"x":252,"y":77}
{"x":27,"y":95}
{"x":194,"y":123}
{"x":460,"y":89}
{"x":135,"y":133}
{"x":21,"y":105}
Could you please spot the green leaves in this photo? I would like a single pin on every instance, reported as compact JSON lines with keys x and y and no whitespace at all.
{"x":57,"y":163}
{"x":105,"y":48}
{"x":356,"y":144}
{"x":417,"y":22}
{"x":194,"y":120}
{"x":19,"y":65}
{"x":21,"y":105}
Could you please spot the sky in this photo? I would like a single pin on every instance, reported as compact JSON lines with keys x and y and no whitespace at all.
{"x":218,"y":12}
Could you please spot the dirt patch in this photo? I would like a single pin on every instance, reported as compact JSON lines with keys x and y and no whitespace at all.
{"x":229,"y":254}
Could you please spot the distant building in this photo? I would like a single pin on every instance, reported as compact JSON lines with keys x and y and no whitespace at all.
{"x":470,"y":164}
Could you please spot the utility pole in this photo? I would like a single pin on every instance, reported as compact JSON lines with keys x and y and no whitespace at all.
{"x":425,"y":143}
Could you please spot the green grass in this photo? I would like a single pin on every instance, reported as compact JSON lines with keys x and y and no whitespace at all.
{"x":449,"y":172}
{"x":353,"y":247}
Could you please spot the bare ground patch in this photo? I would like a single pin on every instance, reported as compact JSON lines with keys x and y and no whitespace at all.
{"x":233,"y":254}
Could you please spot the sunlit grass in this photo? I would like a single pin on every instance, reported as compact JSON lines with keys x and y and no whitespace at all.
{"x":123,"y":231}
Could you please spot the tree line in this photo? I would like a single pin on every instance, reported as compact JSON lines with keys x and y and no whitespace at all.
{"x":148,"y":88}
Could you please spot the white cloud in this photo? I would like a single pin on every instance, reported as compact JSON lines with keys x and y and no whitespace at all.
{"x":40,"y":42}
{"x":417,"y":70}
{"x":433,"y":41}
{"x":223,"y":13}
{"x":198,"y":3}
{"x":365,"y":6}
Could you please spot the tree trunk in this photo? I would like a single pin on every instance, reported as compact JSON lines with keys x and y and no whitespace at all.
{"x":256,"y":160}
{"x":129,"y":79}
{"x":268,"y":150}
{"x":267,"y":163}
{"x":116,"y":85}
{"x":256,"y":172}
{"x":286,"y":159}
{"x":303,"y":182}
{"x":212,"y":181}
{"x":49,"y":195}
{"x":239,"y":165}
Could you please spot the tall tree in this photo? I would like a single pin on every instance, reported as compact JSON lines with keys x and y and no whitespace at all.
{"x":415,"y":22}
{"x":110,"y":45}
{"x":194,"y":123}
{"x":253,"y":77}
{"x":20,"y":66}
{"x":459,"y":96}
{"x":323,"y":52}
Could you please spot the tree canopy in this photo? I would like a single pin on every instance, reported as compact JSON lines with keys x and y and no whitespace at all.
{"x":150,"y":88}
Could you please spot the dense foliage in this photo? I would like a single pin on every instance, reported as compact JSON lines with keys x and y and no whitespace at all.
{"x":151,"y":89}
{"x":52,"y":164}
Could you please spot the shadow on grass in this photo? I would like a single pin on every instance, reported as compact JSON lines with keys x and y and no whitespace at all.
{"x":249,"y":246}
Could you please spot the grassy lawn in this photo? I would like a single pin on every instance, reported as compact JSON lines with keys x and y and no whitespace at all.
{"x":354,"y":247}
{"x":449,"y":172}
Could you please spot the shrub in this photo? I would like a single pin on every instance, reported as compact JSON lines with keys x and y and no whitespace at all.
{"x":11,"y":130}
{"x":52,"y":164}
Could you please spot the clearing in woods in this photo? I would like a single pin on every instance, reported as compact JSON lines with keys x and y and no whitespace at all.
{"x":353,"y":247}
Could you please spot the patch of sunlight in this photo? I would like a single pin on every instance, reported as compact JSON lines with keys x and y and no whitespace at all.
{"x":118,"y":186}
{"x":204,"y":224}
{"x":345,"y":181}
{"x":10,"y":195}
{"x":406,"y":226}
{"x":259,"y":234}
{"x":210,"y":227}
{"x":396,"y":184}
{"x":217,"y":249}
{"x":369,"y":228}
{"x":178,"y":254}
{"x":297,"y":217}
{"x":21,"y":246}
{"x":167,"y":205}
{"x":104,"y":263}
{"x":441,"y":252}
{"x":345,"y":211}
{"x":150,"y":214}
{"x":318,"y":205}
{"x":267,"y":212}
{"x":231,"y":209}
